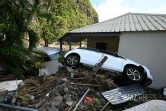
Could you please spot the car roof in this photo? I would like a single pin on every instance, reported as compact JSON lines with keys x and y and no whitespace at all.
{"x":47,"y":50}
{"x":98,"y":50}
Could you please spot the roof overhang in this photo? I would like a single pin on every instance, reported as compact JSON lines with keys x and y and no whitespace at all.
{"x":77,"y":37}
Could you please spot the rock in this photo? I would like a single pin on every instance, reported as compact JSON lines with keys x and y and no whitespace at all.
{"x":61,"y":86}
{"x":56,"y":101}
{"x":47,"y":94}
{"x":58,"y":82}
{"x":61,"y":92}
{"x":65,"y":89}
{"x":68,"y":100}
{"x":54,"y":93}
{"x":64,"y":80}
{"x":40,"y":103}
{"x":52,"y":109}
{"x":97,"y":94}
{"x":42,"y":109}
{"x":30,"y":96}
{"x":47,"y":104}
{"x":73,"y":93}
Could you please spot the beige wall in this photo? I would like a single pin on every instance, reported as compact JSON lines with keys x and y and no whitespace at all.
{"x":149,"y":49}
{"x":112,"y":43}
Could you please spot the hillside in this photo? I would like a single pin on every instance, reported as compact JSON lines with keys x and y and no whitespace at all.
{"x":66,"y":15}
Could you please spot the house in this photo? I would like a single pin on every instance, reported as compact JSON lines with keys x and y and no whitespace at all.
{"x":138,"y":36}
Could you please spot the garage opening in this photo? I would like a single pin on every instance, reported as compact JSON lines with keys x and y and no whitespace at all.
{"x":104,"y":43}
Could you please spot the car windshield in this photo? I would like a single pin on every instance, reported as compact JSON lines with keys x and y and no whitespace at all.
{"x":55,"y":56}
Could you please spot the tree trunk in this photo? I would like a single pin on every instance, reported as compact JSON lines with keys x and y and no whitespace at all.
{"x":45,"y":39}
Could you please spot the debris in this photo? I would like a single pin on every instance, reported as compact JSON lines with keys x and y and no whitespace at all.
{"x":43,"y":72}
{"x":30,"y":96}
{"x":81,"y":100}
{"x":104,"y":106}
{"x":10,"y":85}
{"x":7,"y":77}
{"x":123,"y":94}
{"x":64,"y":80}
{"x":47,"y":94}
{"x":88,"y":100}
{"x":57,"y":100}
{"x":78,"y":75}
{"x":69,"y":108}
{"x":85,"y":85}
{"x":60,"y":91}
{"x":68,"y":100}
{"x":72,"y":74}
{"x":39,"y":103}
{"x":69,"y":69}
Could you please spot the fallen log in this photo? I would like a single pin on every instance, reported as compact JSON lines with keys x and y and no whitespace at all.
{"x":78,"y":78}
{"x":93,"y":85}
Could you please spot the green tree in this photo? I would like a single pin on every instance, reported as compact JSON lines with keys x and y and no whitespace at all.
{"x":66,"y":15}
{"x":15,"y":17}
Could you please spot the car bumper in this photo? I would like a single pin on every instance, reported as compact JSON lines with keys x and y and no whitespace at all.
{"x":149,"y":78}
{"x":148,"y":73}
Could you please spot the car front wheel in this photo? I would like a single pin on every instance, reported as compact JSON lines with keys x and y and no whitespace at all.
{"x":133,"y":74}
{"x":72,"y":60}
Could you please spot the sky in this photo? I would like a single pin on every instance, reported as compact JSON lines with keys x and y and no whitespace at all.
{"x":108,"y":9}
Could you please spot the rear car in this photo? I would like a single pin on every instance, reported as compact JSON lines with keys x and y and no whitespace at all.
{"x":48,"y":57}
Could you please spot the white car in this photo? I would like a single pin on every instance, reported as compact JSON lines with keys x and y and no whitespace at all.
{"x":131,"y":70}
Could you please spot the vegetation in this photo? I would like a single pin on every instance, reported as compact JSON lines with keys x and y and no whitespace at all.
{"x":65,"y":15}
{"x":15,"y":17}
{"x":30,"y":20}
{"x":61,"y":58}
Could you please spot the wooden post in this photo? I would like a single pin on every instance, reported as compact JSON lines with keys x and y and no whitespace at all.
{"x":69,"y":43}
{"x":99,"y":64}
{"x":80,"y":44}
{"x":61,"y":48}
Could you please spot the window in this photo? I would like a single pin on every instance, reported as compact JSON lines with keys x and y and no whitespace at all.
{"x":46,"y":58}
{"x":56,"y":55}
{"x":102,"y":46}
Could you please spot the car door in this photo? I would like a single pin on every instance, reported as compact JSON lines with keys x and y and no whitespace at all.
{"x":90,"y":56}
{"x":112,"y":63}
{"x":51,"y":65}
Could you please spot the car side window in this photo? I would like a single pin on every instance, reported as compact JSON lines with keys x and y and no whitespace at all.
{"x":46,"y":58}
{"x":107,"y":52}
{"x":93,"y":50}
